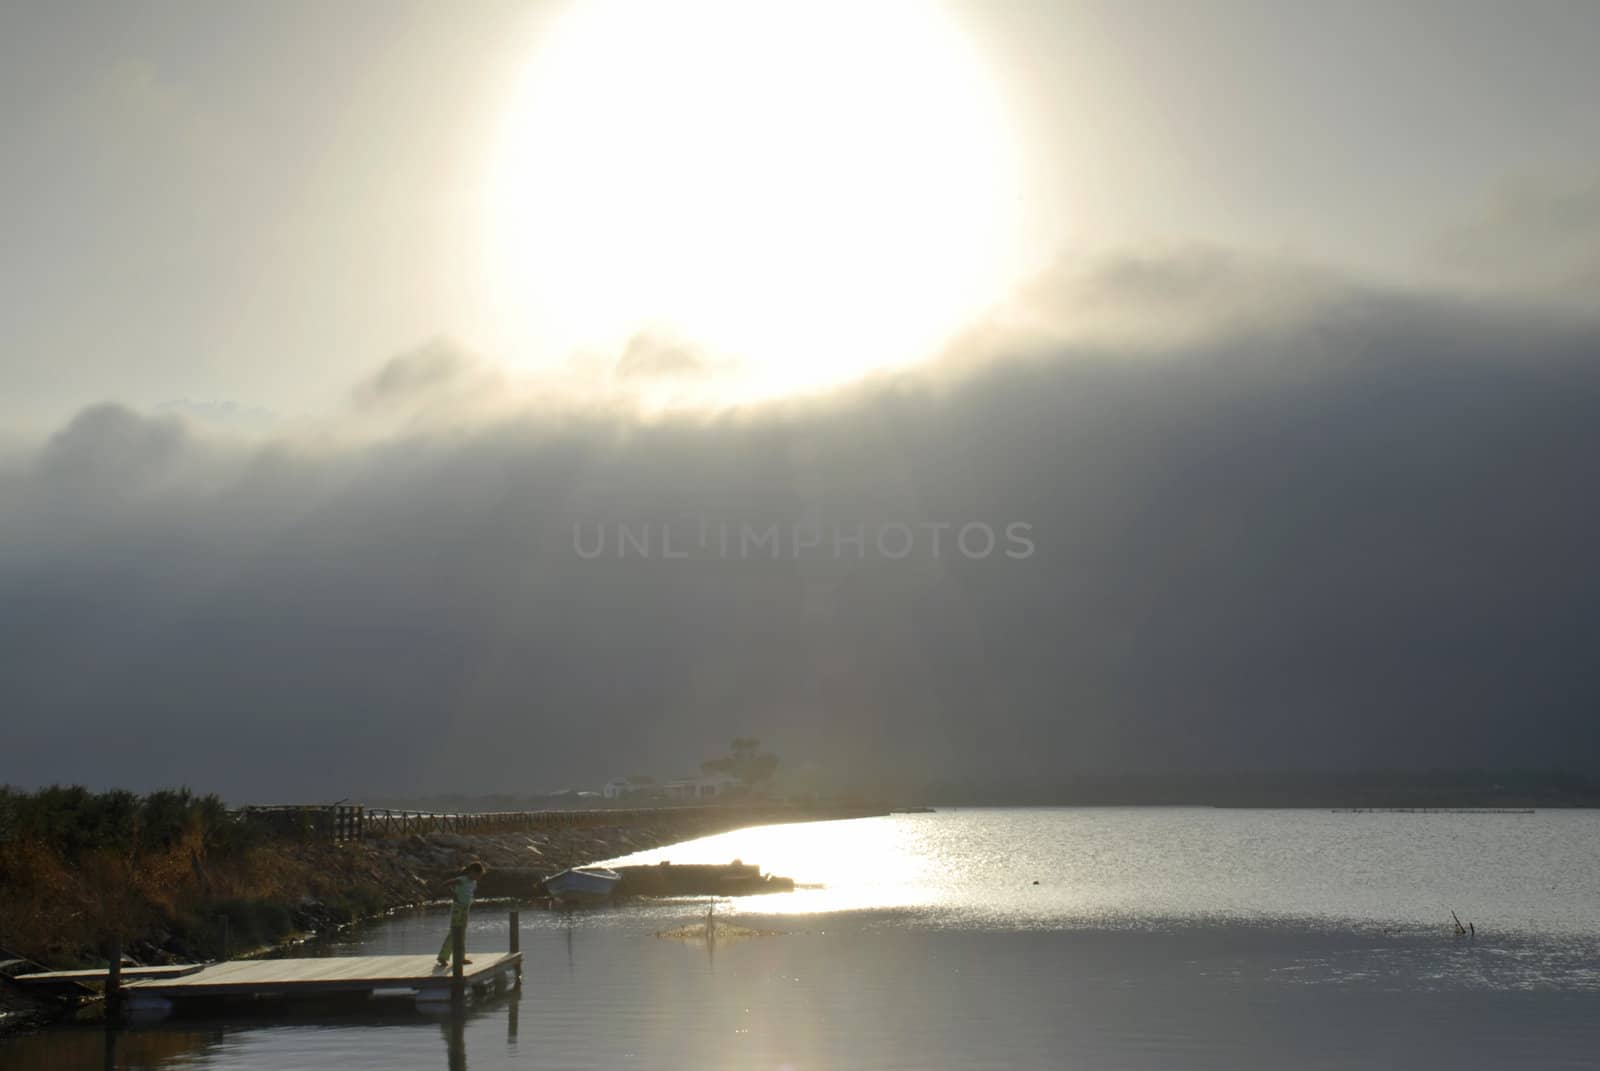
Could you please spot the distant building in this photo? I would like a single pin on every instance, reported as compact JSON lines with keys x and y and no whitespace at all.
{"x":708,"y":786}
{"x":618,"y":787}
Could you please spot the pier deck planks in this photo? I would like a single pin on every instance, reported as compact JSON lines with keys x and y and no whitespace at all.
{"x":288,"y":977}
{"x":98,"y":974}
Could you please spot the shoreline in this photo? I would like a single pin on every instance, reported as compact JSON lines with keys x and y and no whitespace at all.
{"x":345,"y":884}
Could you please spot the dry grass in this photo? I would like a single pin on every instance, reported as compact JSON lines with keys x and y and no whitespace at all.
{"x":162,"y":872}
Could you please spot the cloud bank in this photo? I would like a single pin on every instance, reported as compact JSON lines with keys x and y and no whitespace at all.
{"x":1277,"y":521}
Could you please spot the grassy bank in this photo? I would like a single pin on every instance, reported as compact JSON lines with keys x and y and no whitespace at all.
{"x":179,"y":877}
{"x":172,"y":873}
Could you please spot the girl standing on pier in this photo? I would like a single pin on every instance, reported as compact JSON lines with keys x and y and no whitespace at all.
{"x":461,"y":889}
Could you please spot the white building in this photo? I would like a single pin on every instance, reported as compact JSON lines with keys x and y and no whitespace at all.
{"x":618,"y":787}
{"x":708,"y":786}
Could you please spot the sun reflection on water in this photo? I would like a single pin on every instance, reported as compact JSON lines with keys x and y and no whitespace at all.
{"x":852,"y":865}
{"x":1139,"y":867}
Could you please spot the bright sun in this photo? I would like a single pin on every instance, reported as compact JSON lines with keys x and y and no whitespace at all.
{"x":795,"y":192}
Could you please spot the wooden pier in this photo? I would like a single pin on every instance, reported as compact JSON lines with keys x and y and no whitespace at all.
{"x":145,"y":990}
{"x":157,"y":989}
{"x":99,"y":974}
{"x":417,"y":976}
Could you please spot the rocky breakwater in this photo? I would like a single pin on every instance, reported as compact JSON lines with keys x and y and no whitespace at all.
{"x":520,"y":862}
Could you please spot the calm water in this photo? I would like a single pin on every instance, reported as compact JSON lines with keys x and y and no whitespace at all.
{"x":1154,"y":938}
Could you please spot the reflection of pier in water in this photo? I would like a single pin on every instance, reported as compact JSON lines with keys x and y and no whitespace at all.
{"x":175,"y":1043}
{"x":244,"y":995}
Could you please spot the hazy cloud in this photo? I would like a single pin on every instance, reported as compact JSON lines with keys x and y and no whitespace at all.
{"x":1351,"y":528}
{"x":652,"y":356}
{"x":110,"y":447}
{"x":220,"y":414}
{"x":430,"y":370}
{"x":1539,"y":238}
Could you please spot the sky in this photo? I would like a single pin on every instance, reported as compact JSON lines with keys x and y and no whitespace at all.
{"x":404,"y":398}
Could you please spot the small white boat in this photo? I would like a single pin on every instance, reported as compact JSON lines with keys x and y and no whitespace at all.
{"x":583,"y":883}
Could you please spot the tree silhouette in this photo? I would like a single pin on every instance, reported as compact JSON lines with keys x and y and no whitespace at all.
{"x":745,"y":760}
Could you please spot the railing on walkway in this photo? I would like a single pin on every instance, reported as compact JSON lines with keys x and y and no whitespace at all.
{"x":332,"y":821}
{"x":391,"y":823}
{"x":352,"y":822}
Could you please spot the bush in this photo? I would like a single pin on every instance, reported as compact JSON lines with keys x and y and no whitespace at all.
{"x":172,"y":869}
{"x":75,"y":822}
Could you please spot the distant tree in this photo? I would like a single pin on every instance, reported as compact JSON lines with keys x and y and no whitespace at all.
{"x":760,"y":767}
{"x":745,"y":760}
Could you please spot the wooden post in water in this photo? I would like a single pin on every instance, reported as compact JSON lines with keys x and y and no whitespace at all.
{"x":114,"y":980}
{"x":458,"y":959}
{"x":456,"y":1038}
{"x":516,"y":940}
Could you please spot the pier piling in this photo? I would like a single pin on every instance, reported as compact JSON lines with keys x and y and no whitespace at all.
{"x":458,"y":960}
{"x":114,"y":980}
{"x":516,"y":940}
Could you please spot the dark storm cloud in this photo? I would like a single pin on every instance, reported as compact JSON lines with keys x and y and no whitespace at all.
{"x":1352,"y":529}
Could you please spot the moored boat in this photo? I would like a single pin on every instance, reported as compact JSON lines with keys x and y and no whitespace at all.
{"x":583,"y":883}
